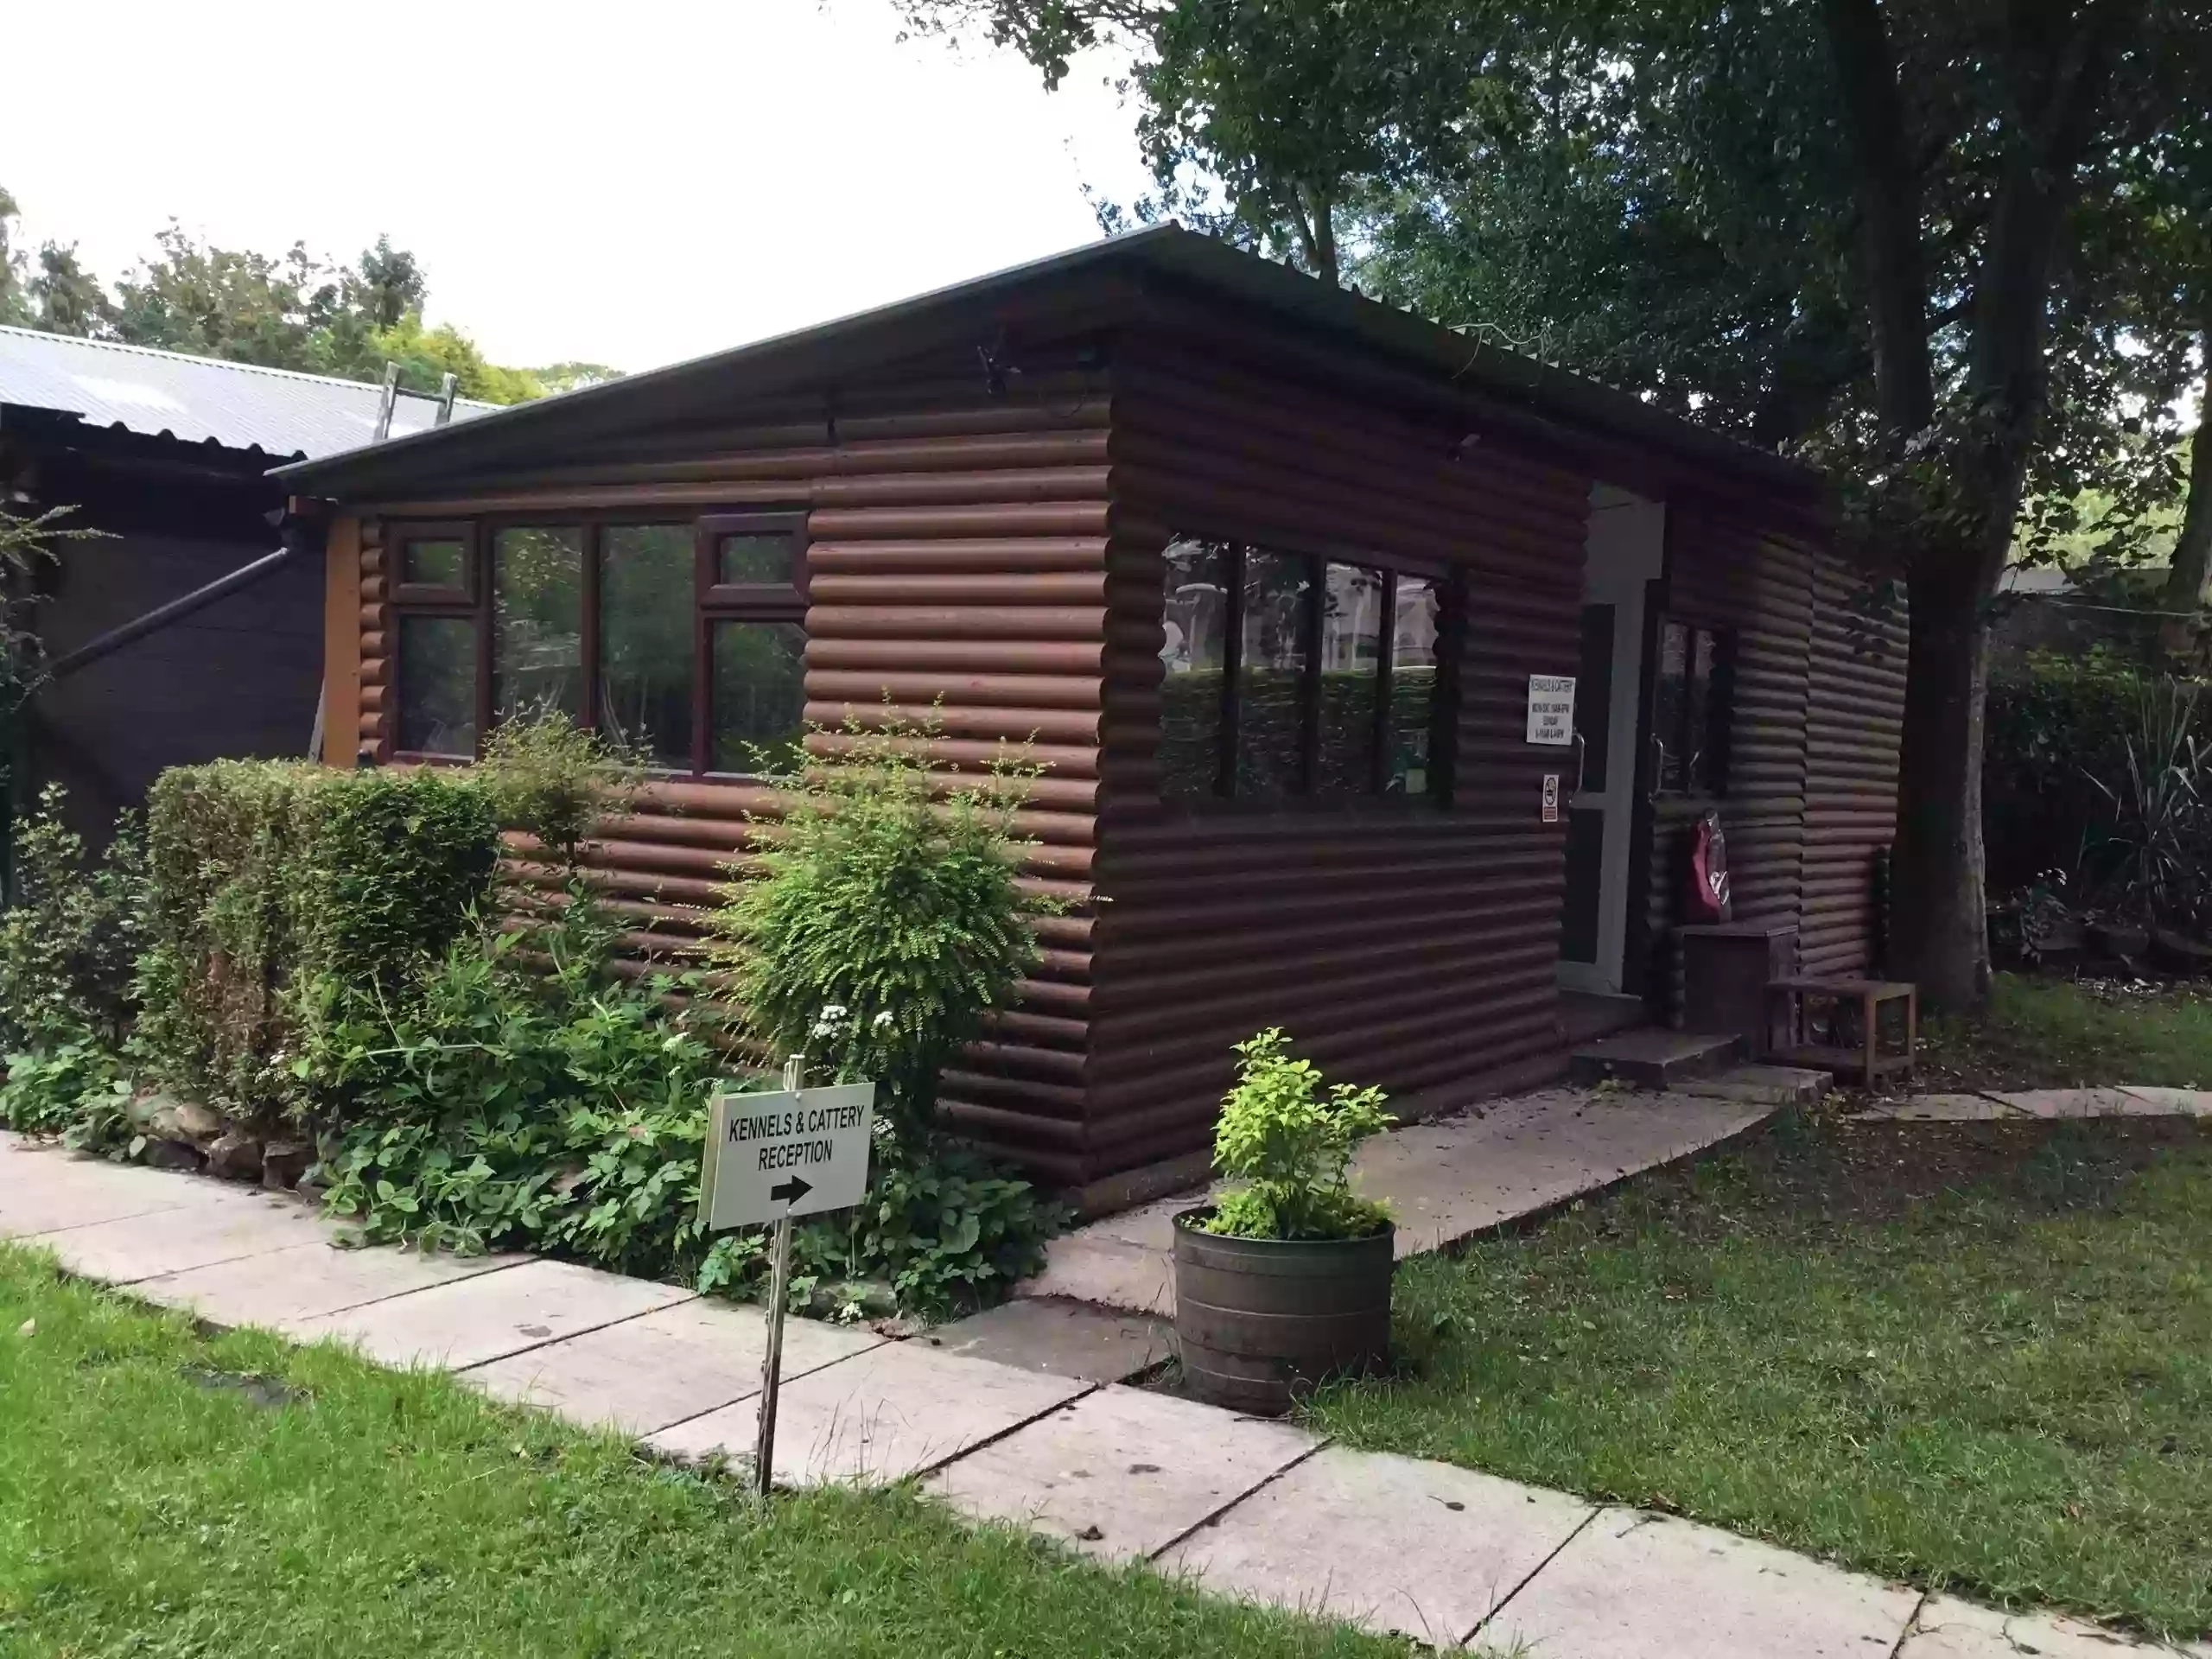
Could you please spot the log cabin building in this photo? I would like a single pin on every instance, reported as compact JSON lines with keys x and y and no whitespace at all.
{"x":1263,"y":572}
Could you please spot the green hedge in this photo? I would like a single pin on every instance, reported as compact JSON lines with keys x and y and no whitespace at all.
{"x":279,"y":889}
{"x":2053,"y":725}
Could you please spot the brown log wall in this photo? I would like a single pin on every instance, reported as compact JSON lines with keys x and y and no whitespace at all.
{"x":1854,"y":720}
{"x":1811,"y":780}
{"x":958,"y":567}
{"x":1413,"y":948}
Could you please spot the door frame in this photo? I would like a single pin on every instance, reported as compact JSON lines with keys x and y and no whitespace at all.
{"x":1632,"y":587}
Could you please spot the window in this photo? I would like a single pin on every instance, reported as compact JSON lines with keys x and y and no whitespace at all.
{"x":683,"y":637}
{"x":1288,"y":677}
{"x":1690,"y":709}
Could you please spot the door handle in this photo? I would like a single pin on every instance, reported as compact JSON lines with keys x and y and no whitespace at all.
{"x":1581,"y":758}
{"x":1658,"y":767}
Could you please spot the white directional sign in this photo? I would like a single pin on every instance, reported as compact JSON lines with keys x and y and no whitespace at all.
{"x":785,"y":1153}
{"x":1551,"y":709}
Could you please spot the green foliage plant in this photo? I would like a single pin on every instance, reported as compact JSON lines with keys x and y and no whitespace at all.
{"x":511,"y":1106}
{"x":887,"y":920}
{"x":531,"y":1098}
{"x":2151,"y":855}
{"x":1287,"y":1147}
{"x":71,"y":935}
{"x":284,"y":896}
{"x":552,"y":779}
{"x":68,"y":940}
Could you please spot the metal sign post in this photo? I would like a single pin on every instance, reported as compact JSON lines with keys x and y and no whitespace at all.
{"x":771,"y":1157}
{"x":779,"y":1284}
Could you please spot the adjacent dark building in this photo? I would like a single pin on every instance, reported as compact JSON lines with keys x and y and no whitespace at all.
{"x":169,"y":456}
{"x":1281,"y":586}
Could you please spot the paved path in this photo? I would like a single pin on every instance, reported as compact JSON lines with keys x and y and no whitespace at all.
{"x":1248,"y":1508}
{"x":1444,"y":1180}
{"x":2134,"y":1100}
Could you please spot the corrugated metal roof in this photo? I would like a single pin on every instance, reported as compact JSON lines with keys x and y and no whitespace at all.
{"x":280,"y":412}
{"x":1337,"y":316}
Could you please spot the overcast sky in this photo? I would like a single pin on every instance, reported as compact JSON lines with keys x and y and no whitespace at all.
{"x":630,"y":183}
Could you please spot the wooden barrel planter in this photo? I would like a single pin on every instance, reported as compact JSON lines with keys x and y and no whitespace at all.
{"x":1259,"y":1320}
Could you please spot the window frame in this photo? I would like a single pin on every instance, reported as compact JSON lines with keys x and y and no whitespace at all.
{"x":1221,"y":795}
{"x":1703,"y":765}
{"x":712,"y":601}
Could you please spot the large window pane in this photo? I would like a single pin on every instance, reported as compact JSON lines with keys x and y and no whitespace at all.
{"x":1419,"y":616}
{"x":1271,"y":667}
{"x":758,"y":696}
{"x":436,"y":562}
{"x":437,"y":685}
{"x":646,"y":584}
{"x":1195,"y":602}
{"x":1351,"y":676}
{"x":538,"y":583}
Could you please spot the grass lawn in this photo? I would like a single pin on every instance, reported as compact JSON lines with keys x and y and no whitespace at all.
{"x":2061,"y":1034}
{"x":166,"y":1493}
{"x":1973,"y":1356}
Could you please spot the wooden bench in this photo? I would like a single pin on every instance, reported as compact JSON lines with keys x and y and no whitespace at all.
{"x":1788,"y":999}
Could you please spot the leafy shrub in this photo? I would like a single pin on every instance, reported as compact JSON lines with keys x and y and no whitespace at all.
{"x":2052,"y":727}
{"x":284,"y":895}
{"x":549,"y":777}
{"x":893,"y":905}
{"x":72,"y":933}
{"x":58,"y":1086}
{"x":1291,"y":1149}
{"x":551,"y":1105}
{"x":2147,"y":863}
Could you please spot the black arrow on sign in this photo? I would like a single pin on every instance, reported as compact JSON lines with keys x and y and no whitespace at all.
{"x":790,"y":1192}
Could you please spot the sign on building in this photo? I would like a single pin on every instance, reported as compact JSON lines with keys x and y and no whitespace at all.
{"x":1551,"y":709}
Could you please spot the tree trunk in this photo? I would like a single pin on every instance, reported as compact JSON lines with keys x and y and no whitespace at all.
{"x":1939,"y":929}
{"x":2178,"y":639}
{"x":1313,"y":212}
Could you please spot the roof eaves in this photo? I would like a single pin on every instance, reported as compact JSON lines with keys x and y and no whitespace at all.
{"x":1204,"y":261}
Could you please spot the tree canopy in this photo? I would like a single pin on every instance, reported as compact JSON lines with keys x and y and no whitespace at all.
{"x":1954,"y":249}
{"x":291,"y":311}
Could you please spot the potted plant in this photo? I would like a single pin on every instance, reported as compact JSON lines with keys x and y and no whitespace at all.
{"x":1285,"y":1278}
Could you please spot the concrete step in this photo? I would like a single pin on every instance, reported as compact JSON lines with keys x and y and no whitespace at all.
{"x":1763,"y":1085}
{"x":1655,"y":1058}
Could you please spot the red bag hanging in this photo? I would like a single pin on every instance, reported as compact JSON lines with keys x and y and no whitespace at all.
{"x":1708,"y":884}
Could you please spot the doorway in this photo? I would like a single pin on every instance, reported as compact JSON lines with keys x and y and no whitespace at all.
{"x":1625,"y":551}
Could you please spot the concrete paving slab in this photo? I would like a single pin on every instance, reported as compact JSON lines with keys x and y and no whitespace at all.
{"x":1121,"y":1474}
{"x":1444,"y":1180}
{"x":1092,"y":1345}
{"x":2175,"y":1103}
{"x":1389,"y":1543}
{"x":895,"y":1411}
{"x":1940,"y":1108}
{"x":1646,"y":1586}
{"x":2071,"y":1102}
{"x":647,"y":1373}
{"x":1087,"y":1266}
{"x":1949,"y":1629}
{"x":472,"y":1321}
{"x":223,"y":1224}
{"x":43,"y":1188}
{"x":285,"y":1286}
